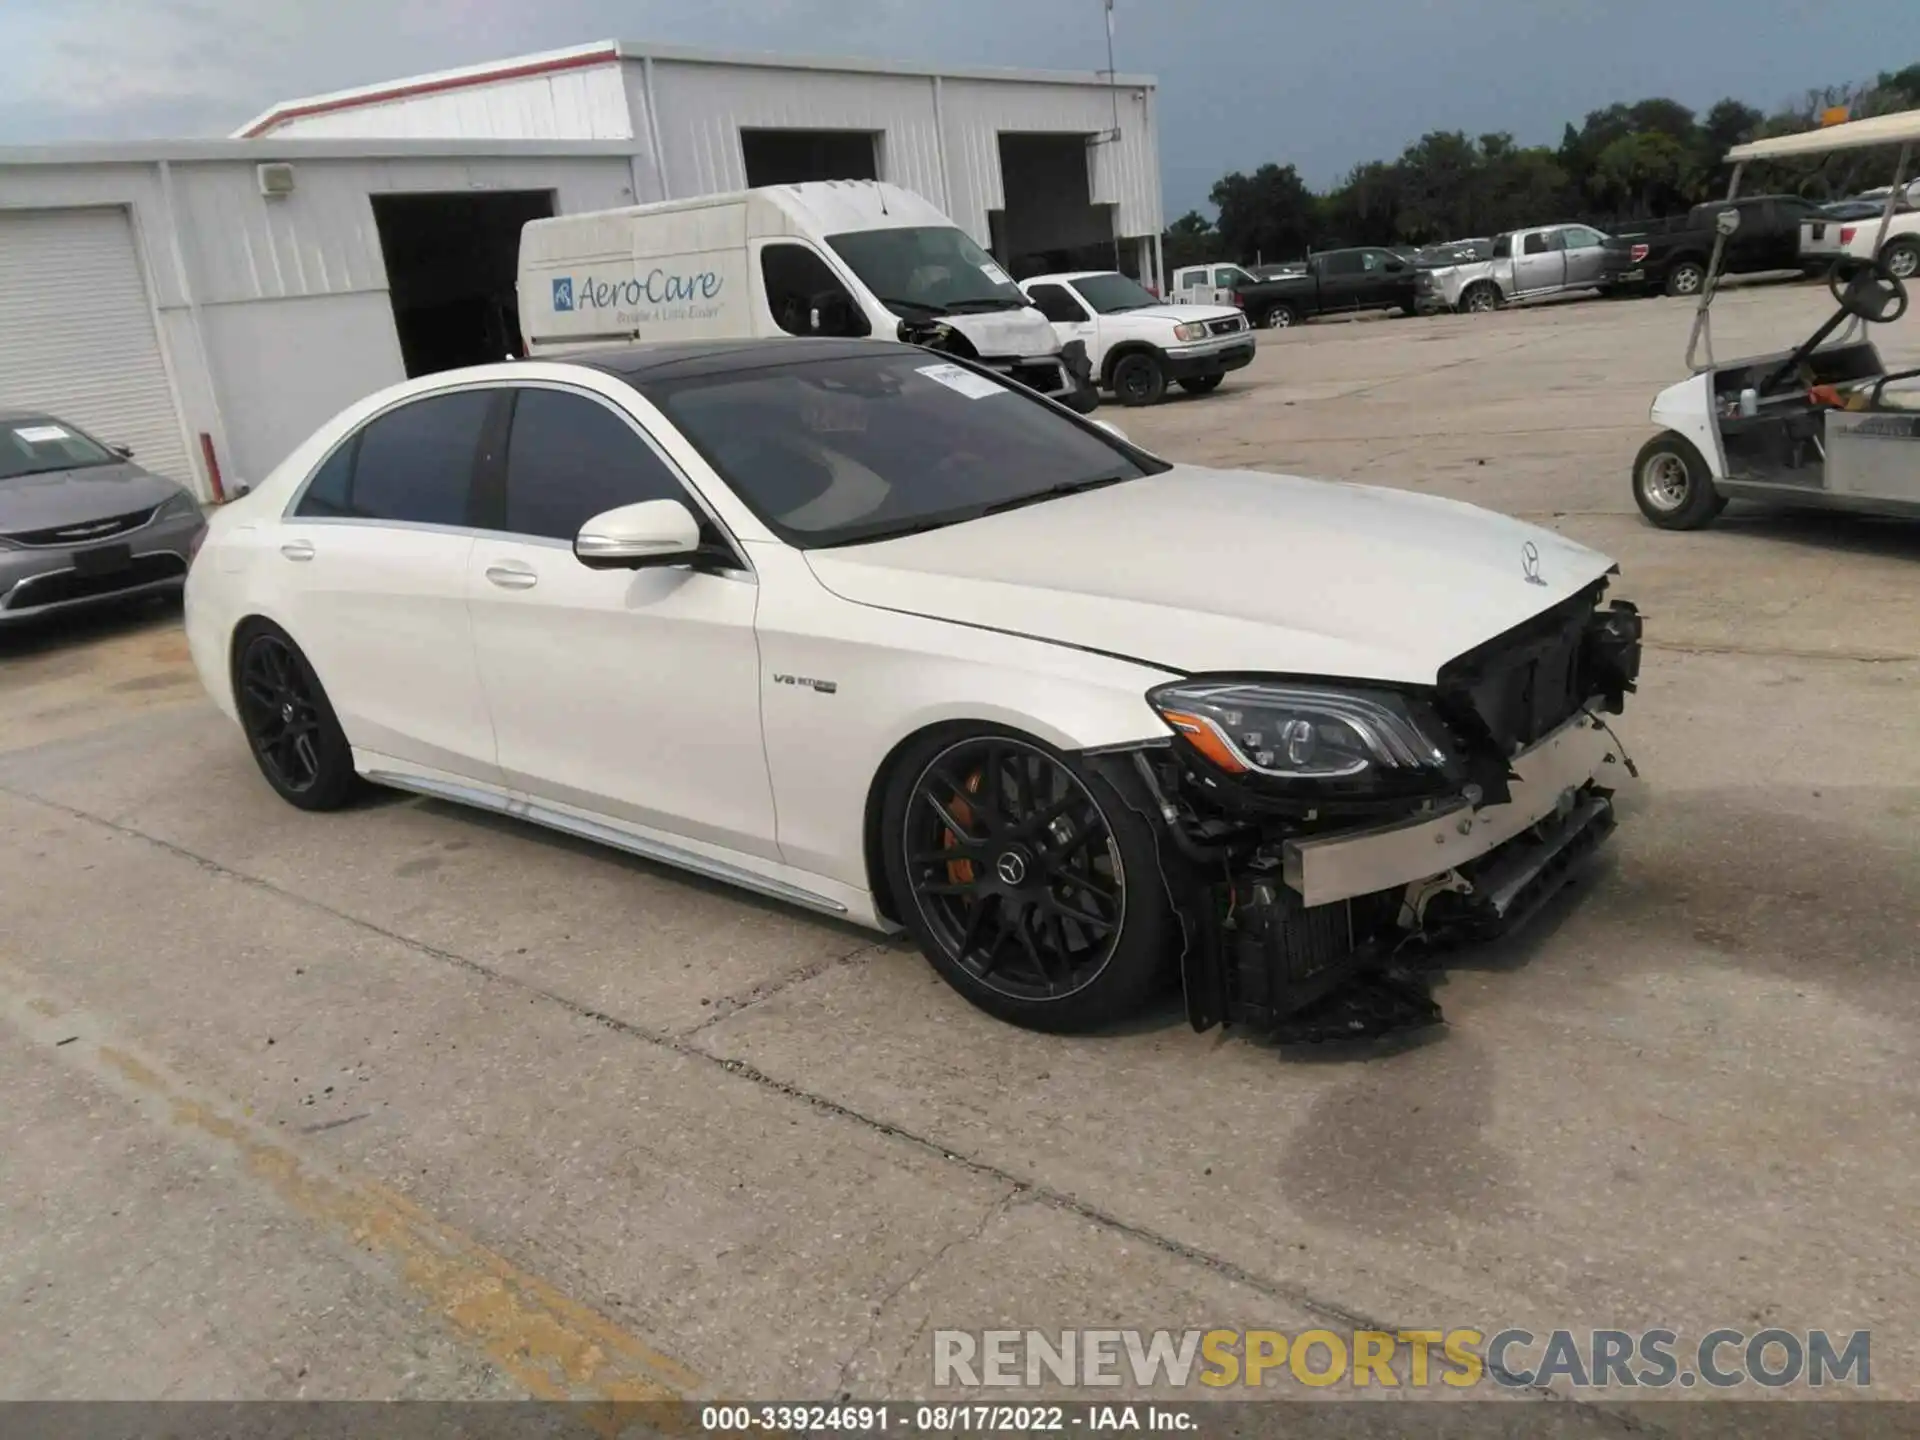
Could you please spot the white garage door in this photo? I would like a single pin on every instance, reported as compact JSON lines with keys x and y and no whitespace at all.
{"x":76,"y":333}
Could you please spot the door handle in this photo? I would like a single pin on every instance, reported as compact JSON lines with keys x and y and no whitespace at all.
{"x":297,"y":549}
{"x":510,"y":576}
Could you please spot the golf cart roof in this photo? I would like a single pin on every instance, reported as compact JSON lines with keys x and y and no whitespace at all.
{"x":1901,"y":128}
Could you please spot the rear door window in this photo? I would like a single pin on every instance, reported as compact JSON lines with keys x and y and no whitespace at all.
{"x":412,"y":465}
{"x":1056,"y":304}
{"x":570,"y":458}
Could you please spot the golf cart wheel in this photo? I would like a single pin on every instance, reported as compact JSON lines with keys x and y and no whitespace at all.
{"x":290,"y":726}
{"x":1671,"y":484}
{"x":1902,"y":259}
{"x":1030,"y":883}
{"x":1686,"y":278}
{"x":1280,"y":317}
{"x":1139,"y":379}
{"x":1201,"y":384}
{"x":1481,"y":299}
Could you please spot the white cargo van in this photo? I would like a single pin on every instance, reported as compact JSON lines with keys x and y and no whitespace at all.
{"x":833,"y":257}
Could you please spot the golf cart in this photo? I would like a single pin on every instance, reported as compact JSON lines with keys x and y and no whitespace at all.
{"x":1822,"y":425}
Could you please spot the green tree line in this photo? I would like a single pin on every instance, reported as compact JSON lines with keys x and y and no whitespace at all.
{"x":1626,"y":162}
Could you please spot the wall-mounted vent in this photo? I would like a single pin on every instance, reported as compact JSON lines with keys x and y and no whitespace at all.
{"x":276,"y":178}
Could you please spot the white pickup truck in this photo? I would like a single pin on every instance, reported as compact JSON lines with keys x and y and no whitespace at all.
{"x":1135,"y":342}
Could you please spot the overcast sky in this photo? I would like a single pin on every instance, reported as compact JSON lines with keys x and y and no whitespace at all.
{"x":1321,"y":85}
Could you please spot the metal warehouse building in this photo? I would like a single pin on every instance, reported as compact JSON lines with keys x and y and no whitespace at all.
{"x":210,"y":302}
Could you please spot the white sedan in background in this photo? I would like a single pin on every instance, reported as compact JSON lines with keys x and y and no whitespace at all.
{"x":857,"y":626}
{"x":1138,"y":343}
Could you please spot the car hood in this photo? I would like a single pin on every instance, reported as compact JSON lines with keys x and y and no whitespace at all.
{"x":73,"y":497}
{"x":1177,"y":314}
{"x":999,"y":333}
{"x":1232,"y":570}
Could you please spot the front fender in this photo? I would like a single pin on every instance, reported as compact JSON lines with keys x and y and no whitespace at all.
{"x":1686,"y":408}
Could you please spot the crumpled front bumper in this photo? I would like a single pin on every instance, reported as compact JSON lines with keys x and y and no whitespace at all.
{"x":1324,"y":869}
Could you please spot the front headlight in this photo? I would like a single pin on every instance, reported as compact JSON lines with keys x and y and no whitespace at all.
{"x":1190,"y":331}
{"x":1300,"y":732}
{"x":178,"y":503}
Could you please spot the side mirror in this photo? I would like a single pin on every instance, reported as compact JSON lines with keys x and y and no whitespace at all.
{"x":1113,"y":430}
{"x":653,"y":532}
{"x":1396,"y":265}
{"x":125,"y":452}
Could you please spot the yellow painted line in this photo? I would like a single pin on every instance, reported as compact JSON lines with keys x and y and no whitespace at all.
{"x":552,"y":1345}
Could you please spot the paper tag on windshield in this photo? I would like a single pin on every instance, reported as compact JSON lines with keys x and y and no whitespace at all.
{"x":41,"y":434}
{"x":994,"y":273}
{"x":957,"y":377}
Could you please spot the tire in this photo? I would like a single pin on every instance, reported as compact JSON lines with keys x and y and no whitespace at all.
{"x":1280,"y":317}
{"x":1672,"y":486}
{"x":276,"y":691}
{"x":1686,"y":278}
{"x":1081,"y":927}
{"x":1201,"y":384}
{"x":1482,"y":298}
{"x":1139,"y":379}
{"x":1901,"y":259}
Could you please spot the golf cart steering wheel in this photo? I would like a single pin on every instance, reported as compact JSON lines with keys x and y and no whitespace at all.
{"x":1867,"y":288}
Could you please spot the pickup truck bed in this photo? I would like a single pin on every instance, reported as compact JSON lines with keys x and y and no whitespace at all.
{"x":1672,"y":254}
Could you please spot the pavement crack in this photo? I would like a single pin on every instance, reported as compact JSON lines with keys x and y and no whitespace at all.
{"x":993,"y":1212}
{"x":731,"y":1005}
{"x":1782,"y":652}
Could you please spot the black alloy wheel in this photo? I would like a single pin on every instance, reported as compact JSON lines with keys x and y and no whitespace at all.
{"x":289,"y":724}
{"x":1013,"y":875}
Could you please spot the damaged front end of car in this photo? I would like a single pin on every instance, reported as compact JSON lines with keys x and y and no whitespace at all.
{"x":1321,"y":838}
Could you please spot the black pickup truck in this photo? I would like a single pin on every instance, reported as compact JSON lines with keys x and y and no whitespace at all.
{"x":1672,"y":254}
{"x":1333,"y":281}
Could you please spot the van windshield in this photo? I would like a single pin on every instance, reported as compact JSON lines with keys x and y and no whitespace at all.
{"x":928,"y":270}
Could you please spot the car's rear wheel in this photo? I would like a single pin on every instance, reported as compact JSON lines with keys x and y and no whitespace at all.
{"x":1686,"y":278}
{"x":1901,"y":259}
{"x":1280,"y":317}
{"x":1139,"y":379}
{"x":1201,"y":384}
{"x":1671,"y":484}
{"x":1029,"y":883}
{"x":290,"y":725}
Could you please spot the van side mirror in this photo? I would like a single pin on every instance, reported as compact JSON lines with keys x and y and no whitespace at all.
{"x":653,"y":532}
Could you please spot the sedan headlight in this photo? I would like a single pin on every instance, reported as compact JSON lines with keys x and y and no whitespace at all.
{"x":1301,"y":732}
{"x":1190,"y":331}
{"x":178,"y":503}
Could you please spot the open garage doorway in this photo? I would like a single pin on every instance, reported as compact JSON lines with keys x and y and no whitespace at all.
{"x":793,"y":157}
{"x":451,"y":261}
{"x":1050,"y":222}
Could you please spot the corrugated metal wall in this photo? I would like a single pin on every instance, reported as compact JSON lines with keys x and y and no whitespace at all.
{"x":938,"y":138}
{"x":289,"y":317}
{"x":582,"y":104}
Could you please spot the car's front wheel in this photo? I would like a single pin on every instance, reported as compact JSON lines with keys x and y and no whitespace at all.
{"x":1139,"y":379}
{"x":290,"y":725}
{"x":1201,"y":384}
{"x":1029,"y":883}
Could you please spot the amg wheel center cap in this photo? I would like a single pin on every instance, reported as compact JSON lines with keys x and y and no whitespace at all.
{"x":286,"y":713}
{"x":1012,"y":867}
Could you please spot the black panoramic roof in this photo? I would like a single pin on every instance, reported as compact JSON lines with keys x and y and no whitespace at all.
{"x":684,"y":359}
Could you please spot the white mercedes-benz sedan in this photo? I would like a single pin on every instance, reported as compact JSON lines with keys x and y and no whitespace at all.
{"x":869,"y":630}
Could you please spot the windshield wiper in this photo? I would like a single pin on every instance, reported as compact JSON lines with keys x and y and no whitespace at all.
{"x":995,"y":302}
{"x":1054,"y":492}
{"x":894,"y":302}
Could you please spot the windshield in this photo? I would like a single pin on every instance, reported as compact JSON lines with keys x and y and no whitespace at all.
{"x":936,"y":269}
{"x":1111,"y":294}
{"x":829,"y":452}
{"x":38,"y":444}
